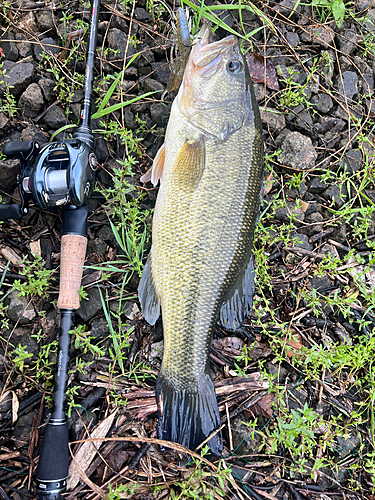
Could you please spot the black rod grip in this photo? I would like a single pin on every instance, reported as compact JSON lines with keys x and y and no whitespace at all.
{"x":53,"y":467}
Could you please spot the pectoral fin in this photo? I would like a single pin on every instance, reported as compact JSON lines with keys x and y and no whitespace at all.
{"x":156,"y":171}
{"x":150,"y":302}
{"x":239,"y":300}
{"x":189,"y":165}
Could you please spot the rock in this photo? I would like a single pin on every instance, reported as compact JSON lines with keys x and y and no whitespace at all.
{"x":348,"y":85}
{"x":320,"y":35}
{"x":99,"y":328}
{"x":47,"y":85}
{"x":19,"y":308}
{"x":101,"y":149}
{"x":55,"y":118}
{"x":329,"y":250}
{"x":286,"y":7}
{"x":5,"y":125}
{"x":97,"y":246}
{"x":48,"y":46}
{"x":292,"y":38}
{"x":91,"y":307}
{"x":129,"y":119}
{"x":322,"y":103}
{"x":44,"y":20}
{"x":336,"y":194}
{"x":8,"y":47}
{"x":27,"y":23}
{"x":24,"y":47}
{"x":303,"y":119}
{"x":19,"y":76}
{"x":363,"y":4}
{"x":297,"y":152}
{"x":151,"y":85}
{"x":259,"y":91}
{"x":105,"y":233}
{"x":159,"y":113}
{"x":31,"y":101}
{"x":347,"y":41}
{"x":160,"y":72}
{"x":320,"y":283}
{"x":22,"y":429}
{"x":142,"y":15}
{"x":317,"y":186}
{"x":346,"y":445}
{"x":9,"y":170}
{"x":32,"y":133}
{"x":246,"y":441}
{"x":316,"y":221}
{"x":290,"y":211}
{"x":274,"y":121}
{"x":21,"y":336}
{"x":117,"y":41}
{"x":352,"y":161}
{"x":302,"y":241}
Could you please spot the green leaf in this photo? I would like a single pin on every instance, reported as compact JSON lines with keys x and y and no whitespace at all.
{"x":338,"y":11}
{"x":120,"y":105}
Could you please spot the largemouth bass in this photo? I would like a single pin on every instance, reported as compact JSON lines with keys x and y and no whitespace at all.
{"x":200,"y":265}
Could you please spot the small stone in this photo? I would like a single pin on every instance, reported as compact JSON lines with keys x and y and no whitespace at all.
{"x":302,"y":241}
{"x":91,"y":307}
{"x":292,"y":38}
{"x":117,"y":41}
{"x":151,"y":85}
{"x":348,"y":85}
{"x":347,"y":41}
{"x":297,"y":152}
{"x":22,"y":429}
{"x":9,"y":170}
{"x":48,"y":46}
{"x":8,"y":47}
{"x":156,"y":350}
{"x":290,"y":211}
{"x":129,"y":119}
{"x":259,"y":91}
{"x":142,"y":15}
{"x":160,"y":72}
{"x":44,"y":20}
{"x":99,"y":328}
{"x":32,"y":133}
{"x":31,"y":101}
{"x":97,"y":246}
{"x":336,"y":195}
{"x":352,"y":161}
{"x":245,"y":440}
{"x":346,"y":446}
{"x":159,"y":113}
{"x":303,"y":119}
{"x":317,"y":186}
{"x":5,"y":125}
{"x":321,"y":36}
{"x":322,"y":103}
{"x":274,"y":121}
{"x":47,"y":85}
{"x":19,"y":308}
{"x":24,"y":48}
{"x":27,"y":23}
{"x":19,"y":76}
{"x":55,"y":118}
{"x":316,"y":220}
{"x":329,"y":250}
{"x":287,"y":7}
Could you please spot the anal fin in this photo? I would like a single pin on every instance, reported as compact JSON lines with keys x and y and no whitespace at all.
{"x":150,"y":302}
{"x":239,"y":300}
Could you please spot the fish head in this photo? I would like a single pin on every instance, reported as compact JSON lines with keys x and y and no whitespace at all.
{"x":215,"y":92}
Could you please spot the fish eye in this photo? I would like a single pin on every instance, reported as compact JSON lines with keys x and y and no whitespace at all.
{"x":235,"y":66}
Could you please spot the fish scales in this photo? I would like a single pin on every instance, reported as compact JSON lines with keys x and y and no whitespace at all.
{"x":200,"y":262}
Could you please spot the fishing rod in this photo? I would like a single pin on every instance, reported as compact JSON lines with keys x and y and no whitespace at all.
{"x":59,"y":174}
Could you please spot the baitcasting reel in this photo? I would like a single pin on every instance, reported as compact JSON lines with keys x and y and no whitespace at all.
{"x":53,"y":175}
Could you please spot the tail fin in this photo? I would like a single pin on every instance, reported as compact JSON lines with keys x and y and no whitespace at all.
{"x":188,"y":416}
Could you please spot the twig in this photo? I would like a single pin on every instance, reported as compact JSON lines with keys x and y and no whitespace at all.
{"x":229,"y":428}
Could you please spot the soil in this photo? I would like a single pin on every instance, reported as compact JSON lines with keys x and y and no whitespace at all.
{"x":314,"y":84}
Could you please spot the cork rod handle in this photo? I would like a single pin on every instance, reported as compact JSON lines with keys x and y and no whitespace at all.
{"x":73,"y":251}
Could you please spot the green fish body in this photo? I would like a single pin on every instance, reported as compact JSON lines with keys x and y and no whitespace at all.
{"x":200,"y":265}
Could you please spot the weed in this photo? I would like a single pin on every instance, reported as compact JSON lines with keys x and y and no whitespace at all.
{"x":38,"y":278}
{"x":8,"y":102}
{"x":334,"y":8}
{"x":19,"y":355}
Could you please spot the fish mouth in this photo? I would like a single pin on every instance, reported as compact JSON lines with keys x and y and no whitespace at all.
{"x":206,"y":57}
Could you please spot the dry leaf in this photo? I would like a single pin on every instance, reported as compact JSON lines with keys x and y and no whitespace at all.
{"x":35,"y":248}
{"x":9,"y":254}
{"x":87,"y":452}
{"x":15,"y":407}
{"x":261,"y":71}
